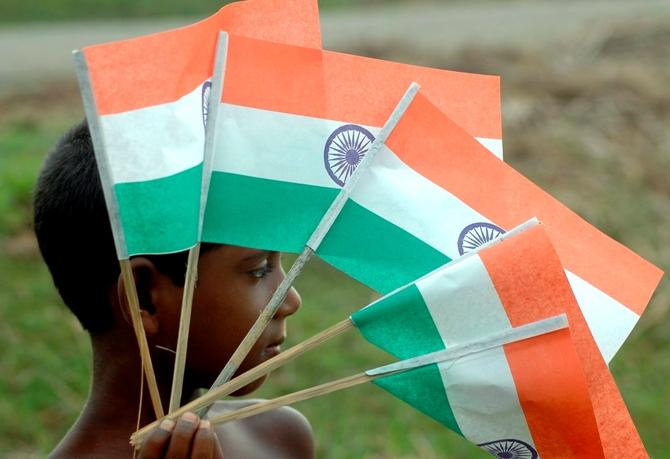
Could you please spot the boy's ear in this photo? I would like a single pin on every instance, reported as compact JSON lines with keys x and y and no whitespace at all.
{"x":154,"y":301}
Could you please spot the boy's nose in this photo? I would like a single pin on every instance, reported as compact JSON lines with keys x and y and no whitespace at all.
{"x":291,"y":304}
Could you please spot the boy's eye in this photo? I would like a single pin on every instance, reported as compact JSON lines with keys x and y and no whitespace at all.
{"x":262,"y":271}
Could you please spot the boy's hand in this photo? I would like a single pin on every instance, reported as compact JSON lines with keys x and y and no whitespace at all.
{"x":188,"y":438}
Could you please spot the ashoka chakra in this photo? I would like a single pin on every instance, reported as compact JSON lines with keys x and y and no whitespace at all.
{"x":345,"y":149}
{"x":509,"y":449}
{"x":476,"y":235}
{"x":206,"y":91}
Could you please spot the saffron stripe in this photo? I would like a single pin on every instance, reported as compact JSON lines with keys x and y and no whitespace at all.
{"x":170,"y":64}
{"x":554,"y":396}
{"x":527,"y":274}
{"x":329,"y":85}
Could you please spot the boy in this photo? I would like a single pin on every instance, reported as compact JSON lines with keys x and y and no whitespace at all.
{"x":234,"y":283}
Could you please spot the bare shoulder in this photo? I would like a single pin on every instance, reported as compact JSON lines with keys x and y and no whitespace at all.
{"x":280,"y":433}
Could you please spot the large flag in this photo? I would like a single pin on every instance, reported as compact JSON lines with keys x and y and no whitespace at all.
{"x":524,"y":399}
{"x":517,"y":281}
{"x":287,"y":114}
{"x":146,"y":101}
{"x":433,"y":193}
{"x":294,"y":123}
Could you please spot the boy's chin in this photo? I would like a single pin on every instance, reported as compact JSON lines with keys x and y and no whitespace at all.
{"x":249,"y":388}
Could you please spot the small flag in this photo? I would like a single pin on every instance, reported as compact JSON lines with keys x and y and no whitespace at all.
{"x":146,"y":101}
{"x":517,"y":281}
{"x":294,"y":122}
{"x":514,"y":398}
{"x":433,"y":193}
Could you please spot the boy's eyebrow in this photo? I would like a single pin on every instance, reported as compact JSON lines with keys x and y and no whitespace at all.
{"x":258,"y":255}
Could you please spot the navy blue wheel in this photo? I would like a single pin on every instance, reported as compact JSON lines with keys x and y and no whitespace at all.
{"x":476,"y":235}
{"x":509,"y":449}
{"x":345,"y":149}
{"x":206,"y":91}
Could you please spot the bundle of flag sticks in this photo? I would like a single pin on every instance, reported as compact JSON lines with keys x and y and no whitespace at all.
{"x":201,"y":131}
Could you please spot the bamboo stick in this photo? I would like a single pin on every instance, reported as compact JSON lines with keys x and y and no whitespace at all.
{"x":261,"y":370}
{"x":184,"y":324}
{"x":453,"y":353}
{"x":136,"y":318}
{"x":107,"y":184}
{"x":283,"y":358}
{"x":295,"y":397}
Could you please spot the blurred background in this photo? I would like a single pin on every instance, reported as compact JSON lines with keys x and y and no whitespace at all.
{"x":586,"y":114}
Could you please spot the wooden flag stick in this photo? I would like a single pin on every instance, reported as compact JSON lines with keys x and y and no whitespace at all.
{"x":313,"y":243}
{"x":184,"y":324}
{"x":452,"y":353}
{"x":136,"y":318}
{"x":249,"y":376}
{"x":295,"y":397}
{"x":194,"y":254}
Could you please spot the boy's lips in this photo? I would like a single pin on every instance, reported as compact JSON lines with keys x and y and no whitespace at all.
{"x":274,"y":348}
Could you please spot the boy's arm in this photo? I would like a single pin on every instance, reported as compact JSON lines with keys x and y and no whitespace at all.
{"x":188,"y":438}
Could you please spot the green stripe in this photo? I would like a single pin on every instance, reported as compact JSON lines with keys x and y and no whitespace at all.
{"x":161,"y":216}
{"x":423,"y":389}
{"x":400,"y":324}
{"x":376,"y":252}
{"x":263,"y":214}
{"x":275,"y":215}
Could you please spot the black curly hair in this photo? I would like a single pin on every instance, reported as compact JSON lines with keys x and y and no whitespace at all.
{"x":74,"y":233}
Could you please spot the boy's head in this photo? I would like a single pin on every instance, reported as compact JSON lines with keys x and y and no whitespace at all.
{"x":74,"y":233}
{"x":75,"y":238}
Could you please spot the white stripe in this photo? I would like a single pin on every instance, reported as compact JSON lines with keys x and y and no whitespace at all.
{"x":483,"y":397}
{"x":476,"y":311}
{"x":274,"y":146}
{"x":480,"y":388}
{"x":280,"y":146}
{"x":399,"y":194}
{"x":155,"y":142}
{"x":610,"y":322}
{"x":495,"y":146}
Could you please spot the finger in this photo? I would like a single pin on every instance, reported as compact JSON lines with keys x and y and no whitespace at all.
{"x":156,"y":443}
{"x":204,"y":442}
{"x":218,"y":452}
{"x":182,"y":436}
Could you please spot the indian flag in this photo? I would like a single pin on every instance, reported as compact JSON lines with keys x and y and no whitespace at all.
{"x":433,"y":193}
{"x":294,"y":123}
{"x":287,"y":114}
{"x":524,"y":398}
{"x":146,"y":101}
{"x":516,"y":281}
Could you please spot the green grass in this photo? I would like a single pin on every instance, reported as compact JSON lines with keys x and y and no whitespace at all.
{"x":17,"y":11}
{"x":593,"y":132}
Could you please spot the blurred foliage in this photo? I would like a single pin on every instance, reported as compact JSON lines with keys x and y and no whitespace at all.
{"x":14,"y":11}
{"x":587,"y":122}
